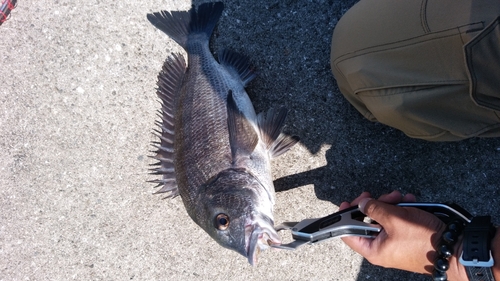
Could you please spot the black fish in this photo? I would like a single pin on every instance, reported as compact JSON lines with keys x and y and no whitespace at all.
{"x":214,"y":151}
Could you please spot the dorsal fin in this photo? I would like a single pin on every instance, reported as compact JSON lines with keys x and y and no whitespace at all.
{"x":169,"y":84}
{"x":242,"y":136}
{"x":239,"y":64}
{"x":271,"y":124}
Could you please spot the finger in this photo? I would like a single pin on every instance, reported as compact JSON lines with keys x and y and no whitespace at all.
{"x":392,"y":198}
{"x":381,"y":211}
{"x":344,"y":205}
{"x":409,"y":198}
{"x":363,"y":195}
{"x":358,"y":244}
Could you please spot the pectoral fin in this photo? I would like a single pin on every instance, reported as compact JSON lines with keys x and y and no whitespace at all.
{"x":242,"y":136}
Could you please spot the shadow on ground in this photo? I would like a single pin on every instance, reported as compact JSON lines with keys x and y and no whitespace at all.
{"x":289,"y":42}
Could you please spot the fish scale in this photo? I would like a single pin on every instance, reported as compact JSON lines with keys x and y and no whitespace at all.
{"x":203,"y":103}
{"x":219,"y":149}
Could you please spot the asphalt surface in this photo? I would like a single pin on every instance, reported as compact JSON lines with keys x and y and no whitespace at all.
{"x":77,"y":108}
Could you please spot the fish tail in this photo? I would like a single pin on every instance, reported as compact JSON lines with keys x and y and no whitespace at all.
{"x":180,"y":24}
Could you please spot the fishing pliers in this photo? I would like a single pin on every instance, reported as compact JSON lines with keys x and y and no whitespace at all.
{"x":350,"y":222}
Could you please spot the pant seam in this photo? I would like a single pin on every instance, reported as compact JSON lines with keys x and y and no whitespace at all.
{"x":423,"y":17}
{"x":427,"y":84}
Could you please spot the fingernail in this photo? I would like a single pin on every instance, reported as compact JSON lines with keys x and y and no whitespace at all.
{"x":362,"y":204}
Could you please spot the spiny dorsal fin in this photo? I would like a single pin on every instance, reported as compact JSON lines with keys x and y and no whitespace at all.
{"x":238,"y":63}
{"x":169,"y":84}
{"x":242,"y":136}
{"x":179,"y":24}
{"x":271,"y":124}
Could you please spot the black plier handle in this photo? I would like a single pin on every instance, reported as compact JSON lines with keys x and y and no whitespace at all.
{"x":349,"y":222}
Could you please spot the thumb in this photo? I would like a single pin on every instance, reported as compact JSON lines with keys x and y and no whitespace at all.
{"x":380,"y":211}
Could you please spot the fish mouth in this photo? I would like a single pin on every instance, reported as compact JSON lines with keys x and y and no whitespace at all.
{"x":258,"y":237}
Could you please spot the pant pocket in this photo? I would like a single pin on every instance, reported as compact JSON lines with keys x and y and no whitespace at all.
{"x":431,"y":112}
{"x":482,"y":56}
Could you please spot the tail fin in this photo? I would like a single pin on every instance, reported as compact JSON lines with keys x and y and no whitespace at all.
{"x":179,"y":24}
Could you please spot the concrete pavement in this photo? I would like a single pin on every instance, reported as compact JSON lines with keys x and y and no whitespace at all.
{"x":77,"y":108}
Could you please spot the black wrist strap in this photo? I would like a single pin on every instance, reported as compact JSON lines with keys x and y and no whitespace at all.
{"x":479,"y":273}
{"x":476,"y":255}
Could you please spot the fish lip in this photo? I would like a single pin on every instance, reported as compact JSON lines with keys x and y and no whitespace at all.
{"x":259,"y":236}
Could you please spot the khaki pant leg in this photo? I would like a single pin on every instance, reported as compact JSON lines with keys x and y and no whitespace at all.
{"x":402,"y":63}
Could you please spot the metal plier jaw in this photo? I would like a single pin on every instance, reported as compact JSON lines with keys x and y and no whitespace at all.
{"x":349,"y":222}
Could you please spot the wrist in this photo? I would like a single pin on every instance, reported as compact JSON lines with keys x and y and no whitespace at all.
{"x":447,"y":264}
{"x":457,"y":271}
{"x":495,"y":251}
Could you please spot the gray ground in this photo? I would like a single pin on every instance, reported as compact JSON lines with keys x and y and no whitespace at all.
{"x":77,"y":108}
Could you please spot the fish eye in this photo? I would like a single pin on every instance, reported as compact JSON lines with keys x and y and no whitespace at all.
{"x":222,"y":222}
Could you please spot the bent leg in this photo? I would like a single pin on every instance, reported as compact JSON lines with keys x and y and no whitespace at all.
{"x":402,"y":63}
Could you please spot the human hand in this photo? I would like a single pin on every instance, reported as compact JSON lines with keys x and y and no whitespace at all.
{"x":409,"y":236}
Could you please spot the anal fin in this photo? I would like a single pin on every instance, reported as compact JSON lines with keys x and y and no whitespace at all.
{"x":282,"y":144}
{"x":271,"y":124}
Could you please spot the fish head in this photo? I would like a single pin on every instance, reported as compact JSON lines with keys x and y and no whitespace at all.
{"x":237,"y":213}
